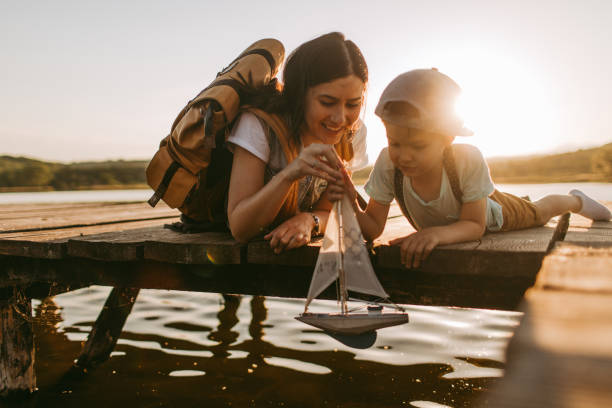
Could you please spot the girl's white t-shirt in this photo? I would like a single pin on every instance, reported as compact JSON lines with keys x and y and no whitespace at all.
{"x":249,"y":134}
{"x":474,"y":179}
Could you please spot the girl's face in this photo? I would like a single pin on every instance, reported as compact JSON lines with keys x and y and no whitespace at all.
{"x":415,"y":152}
{"x":331,"y":109}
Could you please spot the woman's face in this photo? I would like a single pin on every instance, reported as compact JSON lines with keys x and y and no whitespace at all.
{"x":331,"y":108}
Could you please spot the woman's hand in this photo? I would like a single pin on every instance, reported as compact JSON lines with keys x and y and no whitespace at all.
{"x":415,"y":248}
{"x":320,"y":160}
{"x":293,"y":233}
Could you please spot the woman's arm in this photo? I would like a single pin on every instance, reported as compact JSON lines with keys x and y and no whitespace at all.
{"x":297,"y":230}
{"x":471,"y":226}
{"x":253,"y":205}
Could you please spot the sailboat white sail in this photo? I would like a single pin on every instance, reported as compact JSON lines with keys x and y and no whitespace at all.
{"x":344,"y":257}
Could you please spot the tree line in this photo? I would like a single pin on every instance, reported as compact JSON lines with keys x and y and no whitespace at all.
{"x":25,"y":172}
{"x":583,"y":165}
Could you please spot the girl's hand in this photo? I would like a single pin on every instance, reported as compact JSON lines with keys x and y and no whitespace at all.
{"x":415,"y":248}
{"x":348,"y":188}
{"x":320,"y":160}
{"x":337,"y":189}
{"x":293,"y":233}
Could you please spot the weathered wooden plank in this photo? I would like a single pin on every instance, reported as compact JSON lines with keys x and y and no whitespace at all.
{"x":504,"y":253}
{"x":597,"y":232}
{"x":584,"y":230}
{"x":16,"y":343}
{"x":259,"y":252}
{"x":53,"y":249}
{"x":396,"y":226}
{"x":109,"y":246}
{"x":561,"y":355}
{"x":218,"y":248}
{"x":21,"y":210}
{"x":79,"y":216}
{"x":422,"y":287}
{"x":107,"y":328}
{"x":157,"y":243}
{"x":51,"y":244}
{"x":574,"y":267}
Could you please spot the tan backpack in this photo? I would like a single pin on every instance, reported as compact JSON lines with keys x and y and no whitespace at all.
{"x":191,"y":169}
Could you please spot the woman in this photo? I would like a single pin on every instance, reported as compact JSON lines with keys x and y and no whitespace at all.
{"x":319,"y":106}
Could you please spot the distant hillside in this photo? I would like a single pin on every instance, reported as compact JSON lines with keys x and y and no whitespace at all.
{"x":580,"y":166}
{"x":20,"y":173}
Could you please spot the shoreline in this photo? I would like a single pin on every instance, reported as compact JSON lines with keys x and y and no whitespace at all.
{"x":356,"y":180}
{"x":42,"y":189}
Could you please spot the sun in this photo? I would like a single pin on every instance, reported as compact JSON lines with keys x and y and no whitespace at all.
{"x":509,"y":103}
{"x":508,"y":107}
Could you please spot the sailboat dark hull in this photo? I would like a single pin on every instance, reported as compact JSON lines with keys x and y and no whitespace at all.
{"x":352,"y":323}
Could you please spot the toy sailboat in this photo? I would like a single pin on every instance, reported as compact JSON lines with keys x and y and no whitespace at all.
{"x":344,"y":257}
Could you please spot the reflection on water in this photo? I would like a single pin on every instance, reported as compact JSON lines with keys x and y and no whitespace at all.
{"x":195,"y":349}
{"x":80,"y":196}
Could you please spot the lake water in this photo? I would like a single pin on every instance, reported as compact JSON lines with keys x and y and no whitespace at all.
{"x":601,"y":191}
{"x":184,"y":349}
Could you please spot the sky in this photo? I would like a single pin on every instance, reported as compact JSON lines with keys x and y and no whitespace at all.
{"x":98,"y":80}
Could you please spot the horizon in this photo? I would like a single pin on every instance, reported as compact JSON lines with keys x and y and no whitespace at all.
{"x":370,"y":164}
{"x":104,"y":81}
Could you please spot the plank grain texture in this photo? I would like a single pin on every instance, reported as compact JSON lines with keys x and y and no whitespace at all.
{"x":79,"y":215}
{"x":513,"y":253}
{"x":561,"y":354}
{"x":218,"y":248}
{"x":51,"y":244}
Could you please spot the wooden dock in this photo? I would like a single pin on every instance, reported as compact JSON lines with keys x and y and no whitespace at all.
{"x":561,"y":354}
{"x":48,"y":249}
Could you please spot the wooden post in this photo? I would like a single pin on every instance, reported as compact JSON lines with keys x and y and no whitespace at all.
{"x":105,"y":332}
{"x":16,"y":343}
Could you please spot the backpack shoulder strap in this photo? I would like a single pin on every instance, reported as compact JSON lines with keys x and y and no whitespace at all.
{"x":278,"y":127}
{"x":398,"y":190}
{"x":451,"y":172}
{"x":280,"y":130}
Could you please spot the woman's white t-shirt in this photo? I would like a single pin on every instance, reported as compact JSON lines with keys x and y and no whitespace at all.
{"x":249,"y":134}
{"x":474,"y":179}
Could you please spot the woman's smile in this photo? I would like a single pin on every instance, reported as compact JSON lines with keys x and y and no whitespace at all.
{"x":332,"y":108}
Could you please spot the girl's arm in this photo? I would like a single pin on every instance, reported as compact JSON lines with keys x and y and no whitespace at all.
{"x":373,"y":219}
{"x":471,"y":226}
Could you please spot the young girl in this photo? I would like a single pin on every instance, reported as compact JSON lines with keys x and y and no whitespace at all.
{"x":316,"y":113}
{"x":445,"y":190}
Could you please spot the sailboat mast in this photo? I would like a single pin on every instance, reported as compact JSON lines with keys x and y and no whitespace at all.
{"x":341,"y":272}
